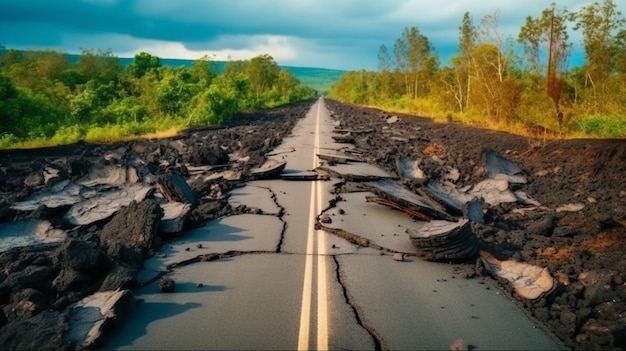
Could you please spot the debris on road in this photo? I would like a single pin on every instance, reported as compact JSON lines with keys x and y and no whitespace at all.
{"x":175,"y":189}
{"x":529,"y":281}
{"x":270,"y":169}
{"x":445,"y":241}
{"x":408,"y":168}
{"x":89,"y":317}
{"x":397,"y":194}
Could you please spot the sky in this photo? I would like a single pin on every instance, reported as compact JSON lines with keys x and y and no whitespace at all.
{"x":338,"y":34}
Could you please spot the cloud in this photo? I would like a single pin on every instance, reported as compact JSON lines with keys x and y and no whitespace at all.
{"x":328,"y":33}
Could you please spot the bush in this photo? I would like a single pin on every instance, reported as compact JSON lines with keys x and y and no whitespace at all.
{"x":600,"y":126}
{"x":67,"y":135}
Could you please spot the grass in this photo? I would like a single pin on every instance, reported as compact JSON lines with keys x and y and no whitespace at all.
{"x":534,"y":124}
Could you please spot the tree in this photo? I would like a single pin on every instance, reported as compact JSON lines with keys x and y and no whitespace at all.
{"x":262,"y":72}
{"x":550,"y":29}
{"x":464,"y":62}
{"x":415,"y":61}
{"x":202,"y":72}
{"x":599,"y":24}
{"x":100,"y":65}
{"x":385,"y":65}
{"x":143,"y":62}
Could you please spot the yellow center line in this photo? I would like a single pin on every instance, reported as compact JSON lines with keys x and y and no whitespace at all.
{"x":322,"y":296}
{"x":315,"y":205}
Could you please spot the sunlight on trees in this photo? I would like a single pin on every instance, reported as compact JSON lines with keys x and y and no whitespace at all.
{"x":490,"y":83}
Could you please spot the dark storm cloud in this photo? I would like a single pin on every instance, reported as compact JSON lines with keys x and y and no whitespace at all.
{"x":346,"y":33}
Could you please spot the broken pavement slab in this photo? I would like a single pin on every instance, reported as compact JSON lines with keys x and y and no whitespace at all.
{"x":89,"y":317}
{"x":394,"y":192}
{"x":499,"y":167}
{"x":174,"y":217}
{"x":409,"y":168}
{"x":357,"y":172}
{"x":106,"y":204}
{"x":445,"y":241}
{"x":493,"y":191}
{"x":109,"y":176}
{"x":63,"y":193}
{"x":28,"y":232}
{"x":270,"y":169}
{"x":338,"y":158}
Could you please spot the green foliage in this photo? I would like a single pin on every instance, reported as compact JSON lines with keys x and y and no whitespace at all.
{"x":600,"y":126}
{"x":47,"y":100}
{"x":489,"y":85}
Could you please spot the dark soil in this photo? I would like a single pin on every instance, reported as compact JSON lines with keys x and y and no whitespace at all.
{"x":584,"y":250}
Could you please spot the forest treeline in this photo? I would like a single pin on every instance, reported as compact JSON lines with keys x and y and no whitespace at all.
{"x":45,"y":99}
{"x":521,"y":84}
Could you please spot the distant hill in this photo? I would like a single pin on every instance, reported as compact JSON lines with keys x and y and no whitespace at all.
{"x":320,"y":79}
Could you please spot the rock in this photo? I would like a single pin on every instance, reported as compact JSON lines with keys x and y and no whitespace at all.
{"x":459,"y":345}
{"x":175,"y":189}
{"x":43,"y":332}
{"x":392,"y":119}
{"x":135,"y":226}
{"x":26,"y":303}
{"x":33,"y":276}
{"x":544,"y":226}
{"x":398,"y":256}
{"x":445,"y":241}
{"x":206,"y":211}
{"x":166,"y":284}
{"x":575,"y":207}
{"x":528,"y":281}
{"x":34,"y":180}
{"x":126,"y":255}
{"x":325,"y":218}
{"x":120,"y":277}
{"x":81,"y":263}
{"x":82,"y":256}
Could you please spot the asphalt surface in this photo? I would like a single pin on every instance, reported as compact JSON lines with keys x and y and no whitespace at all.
{"x":286,"y":285}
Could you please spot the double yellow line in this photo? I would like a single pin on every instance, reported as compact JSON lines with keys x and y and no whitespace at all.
{"x":315,"y":206}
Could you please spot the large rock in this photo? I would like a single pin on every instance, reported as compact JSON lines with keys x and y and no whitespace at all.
{"x":33,"y":276}
{"x":81,"y":263}
{"x":175,"y":189}
{"x":134,"y":226}
{"x":41,"y":332}
{"x":121,"y":277}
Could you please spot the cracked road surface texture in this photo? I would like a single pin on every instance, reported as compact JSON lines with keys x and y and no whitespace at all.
{"x":275,"y":280}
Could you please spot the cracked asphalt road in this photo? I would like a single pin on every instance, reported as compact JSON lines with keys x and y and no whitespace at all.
{"x":272,"y":280}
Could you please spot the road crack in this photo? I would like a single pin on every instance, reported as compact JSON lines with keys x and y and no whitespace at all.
{"x":379,"y":342}
{"x":214,"y":257}
{"x":280,"y":215}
